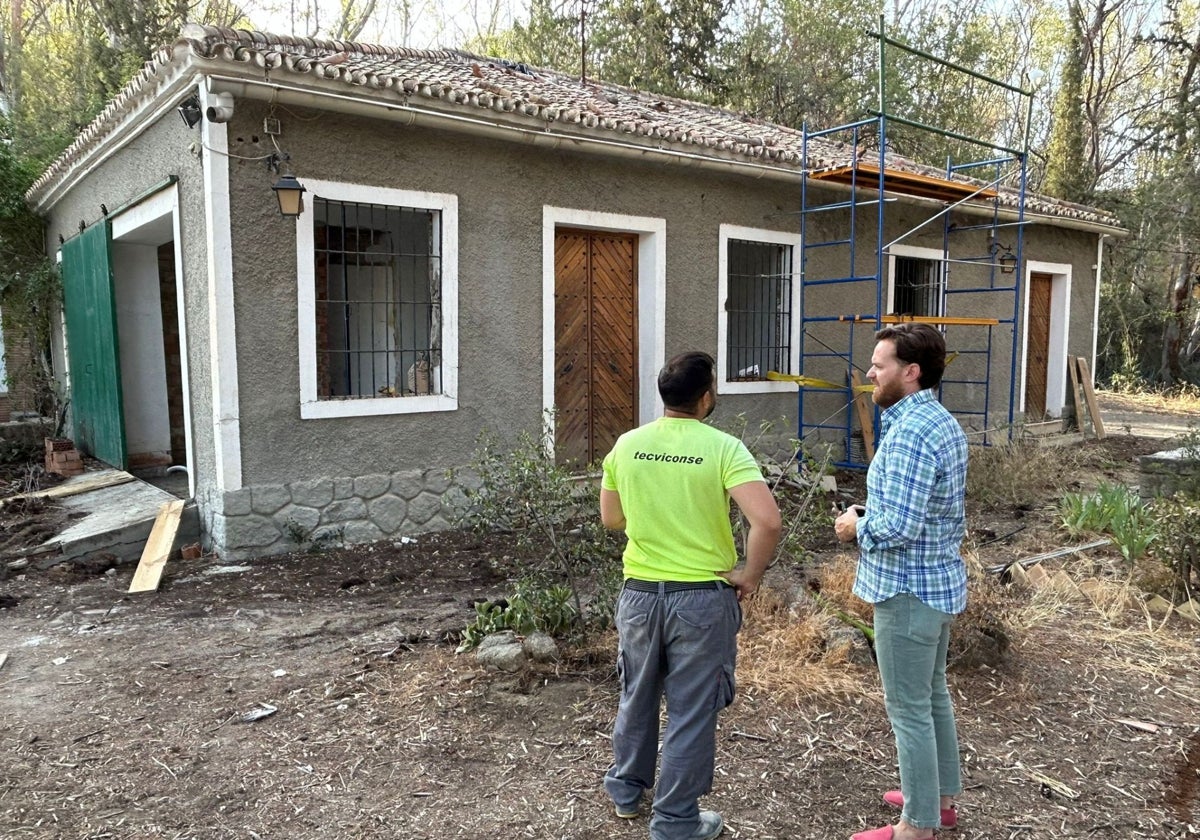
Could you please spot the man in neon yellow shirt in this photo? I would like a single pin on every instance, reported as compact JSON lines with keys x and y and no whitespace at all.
{"x":667,"y":485}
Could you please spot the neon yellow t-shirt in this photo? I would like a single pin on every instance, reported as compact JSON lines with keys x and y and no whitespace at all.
{"x":673,"y":477}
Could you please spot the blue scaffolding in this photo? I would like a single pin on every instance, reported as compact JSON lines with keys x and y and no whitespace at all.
{"x":980,"y":205}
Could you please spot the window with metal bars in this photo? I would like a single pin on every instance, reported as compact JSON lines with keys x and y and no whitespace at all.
{"x":378,"y":278}
{"x":917,"y":287}
{"x":758,"y":309}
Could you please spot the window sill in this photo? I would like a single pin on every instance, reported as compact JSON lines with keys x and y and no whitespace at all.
{"x":757,"y":386}
{"x":374,"y":406}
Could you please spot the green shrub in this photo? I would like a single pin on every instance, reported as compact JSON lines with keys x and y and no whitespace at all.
{"x":534,"y":605}
{"x":793,"y":473}
{"x":554,"y":516}
{"x":1113,"y":510}
{"x":314,"y":540}
{"x":1179,"y":544}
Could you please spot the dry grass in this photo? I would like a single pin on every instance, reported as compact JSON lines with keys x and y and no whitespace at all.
{"x":837,"y":586}
{"x":1112,"y":616}
{"x":782,"y":652}
{"x":980,"y":636}
{"x":1022,"y":473}
{"x":1187,"y":402}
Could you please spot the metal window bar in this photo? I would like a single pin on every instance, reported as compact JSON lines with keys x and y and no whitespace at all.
{"x":917,"y":287}
{"x":758,"y":310}
{"x":382,"y":299}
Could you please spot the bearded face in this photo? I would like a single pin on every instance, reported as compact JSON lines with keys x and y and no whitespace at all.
{"x":893,"y":379}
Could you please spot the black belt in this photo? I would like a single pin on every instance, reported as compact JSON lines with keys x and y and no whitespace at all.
{"x":672,"y":586}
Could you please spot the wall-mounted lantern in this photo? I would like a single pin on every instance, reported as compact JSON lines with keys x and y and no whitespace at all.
{"x":1003,"y":256}
{"x":1008,"y":262}
{"x":290,"y":194}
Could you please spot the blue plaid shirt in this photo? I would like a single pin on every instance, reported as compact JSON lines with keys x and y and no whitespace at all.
{"x":915,"y":520}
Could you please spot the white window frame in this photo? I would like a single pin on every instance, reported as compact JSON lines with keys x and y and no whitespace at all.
{"x":651,"y":299}
{"x":935,"y":255}
{"x":1060,"y":329}
{"x":769,"y":237}
{"x":312,"y":408}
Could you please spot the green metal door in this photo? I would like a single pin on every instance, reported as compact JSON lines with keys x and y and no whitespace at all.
{"x":90,"y":308}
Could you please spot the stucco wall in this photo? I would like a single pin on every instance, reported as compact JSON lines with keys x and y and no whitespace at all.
{"x":501,"y":189}
{"x":165,"y":149}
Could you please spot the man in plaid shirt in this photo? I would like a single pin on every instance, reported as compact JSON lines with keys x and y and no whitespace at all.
{"x":910,"y":569}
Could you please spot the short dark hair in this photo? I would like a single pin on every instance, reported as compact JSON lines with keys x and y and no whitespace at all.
{"x":919,"y":344}
{"x":685,"y":379}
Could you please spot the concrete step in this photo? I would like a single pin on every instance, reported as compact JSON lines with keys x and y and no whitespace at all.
{"x":1047,"y":427}
{"x":1064,"y":439}
{"x":113,"y":520}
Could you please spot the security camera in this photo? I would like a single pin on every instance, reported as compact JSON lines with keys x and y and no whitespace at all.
{"x":220,"y":109}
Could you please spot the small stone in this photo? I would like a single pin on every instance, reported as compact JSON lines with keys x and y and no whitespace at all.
{"x":501,"y":651}
{"x":540,"y":647}
{"x":849,"y":642}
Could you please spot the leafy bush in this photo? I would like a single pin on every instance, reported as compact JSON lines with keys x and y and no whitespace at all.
{"x":555,"y":517}
{"x":314,"y":540}
{"x":19,"y":451}
{"x":30,"y":286}
{"x":794,"y":476}
{"x":1179,"y":544}
{"x":534,"y":605}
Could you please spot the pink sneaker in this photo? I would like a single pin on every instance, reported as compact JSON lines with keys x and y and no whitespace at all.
{"x":949,"y":815}
{"x":885,"y":833}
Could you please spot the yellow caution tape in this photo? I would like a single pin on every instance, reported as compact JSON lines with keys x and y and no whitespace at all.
{"x":813,"y":382}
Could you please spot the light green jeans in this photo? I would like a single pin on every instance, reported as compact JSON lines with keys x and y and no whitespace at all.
{"x":910,"y":645}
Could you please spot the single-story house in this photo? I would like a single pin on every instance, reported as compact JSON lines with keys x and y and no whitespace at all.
{"x":481,"y":242}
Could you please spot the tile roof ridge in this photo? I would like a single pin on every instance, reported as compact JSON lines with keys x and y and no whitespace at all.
{"x":206,"y":39}
{"x":562,"y":100}
{"x":109,"y":115}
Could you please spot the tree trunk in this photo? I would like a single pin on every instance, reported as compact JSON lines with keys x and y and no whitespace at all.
{"x":1176,"y":325}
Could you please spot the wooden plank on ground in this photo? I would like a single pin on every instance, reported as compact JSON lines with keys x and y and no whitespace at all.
{"x":158,"y":547}
{"x":106,"y":478}
{"x":866,"y":418}
{"x":1089,"y":393}
{"x":1073,"y":377}
{"x":1037,"y":576}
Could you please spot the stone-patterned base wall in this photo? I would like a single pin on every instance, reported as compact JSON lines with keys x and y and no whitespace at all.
{"x":1164,"y":473}
{"x":23,"y":439}
{"x":276,"y":519}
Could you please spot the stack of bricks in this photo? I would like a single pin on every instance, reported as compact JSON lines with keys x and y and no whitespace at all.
{"x":62,"y":457}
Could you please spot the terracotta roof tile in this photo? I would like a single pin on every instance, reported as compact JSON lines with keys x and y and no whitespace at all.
{"x":466,"y":82}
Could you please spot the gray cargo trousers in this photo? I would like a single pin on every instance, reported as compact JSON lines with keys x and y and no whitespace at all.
{"x":681,"y":643}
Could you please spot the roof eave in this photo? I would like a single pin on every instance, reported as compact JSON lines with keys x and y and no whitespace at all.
{"x":112,"y":135}
{"x":333,"y":95}
{"x":166,"y":82}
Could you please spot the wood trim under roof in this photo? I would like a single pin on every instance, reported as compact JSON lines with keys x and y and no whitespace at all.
{"x":866,"y":176}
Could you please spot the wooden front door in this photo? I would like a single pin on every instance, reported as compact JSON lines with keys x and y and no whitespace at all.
{"x":1037,"y":362}
{"x":595,"y":342}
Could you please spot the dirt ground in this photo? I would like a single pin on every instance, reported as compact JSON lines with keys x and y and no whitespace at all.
{"x":317,"y":696}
